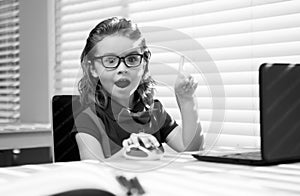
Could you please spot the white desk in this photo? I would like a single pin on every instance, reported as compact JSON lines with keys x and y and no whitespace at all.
{"x":173,"y":175}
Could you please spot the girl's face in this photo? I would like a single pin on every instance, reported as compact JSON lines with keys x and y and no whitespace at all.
{"x":120,"y":82}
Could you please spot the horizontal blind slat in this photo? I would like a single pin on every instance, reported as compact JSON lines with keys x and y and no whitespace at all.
{"x":227,"y":78}
{"x":9,"y":114}
{"x":9,"y":106}
{"x":238,"y":116}
{"x":255,"y":12}
{"x":189,"y":7}
{"x":9,"y":99}
{"x":231,"y":128}
{"x":234,"y":40}
{"x":86,"y":15}
{"x":234,"y":140}
{"x":10,"y":59}
{"x":231,"y":103}
{"x":81,"y":3}
{"x":248,"y":90}
{"x":10,"y":91}
{"x":241,"y":52}
{"x":8,"y":76}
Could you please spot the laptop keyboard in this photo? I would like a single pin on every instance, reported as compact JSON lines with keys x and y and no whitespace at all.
{"x":256,"y":155}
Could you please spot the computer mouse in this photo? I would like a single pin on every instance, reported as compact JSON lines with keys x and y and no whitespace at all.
{"x":143,"y":153}
{"x":85,"y":192}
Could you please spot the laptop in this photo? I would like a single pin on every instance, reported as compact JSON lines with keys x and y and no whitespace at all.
{"x":279,"y":93}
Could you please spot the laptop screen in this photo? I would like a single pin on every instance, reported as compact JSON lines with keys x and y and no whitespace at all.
{"x":280,"y":110}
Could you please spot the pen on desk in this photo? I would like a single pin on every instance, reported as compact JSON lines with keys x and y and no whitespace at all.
{"x":132,"y":186}
{"x":135,"y":182}
{"x":124,"y":183}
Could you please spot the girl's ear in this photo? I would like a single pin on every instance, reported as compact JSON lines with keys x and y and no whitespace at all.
{"x":92,"y":69}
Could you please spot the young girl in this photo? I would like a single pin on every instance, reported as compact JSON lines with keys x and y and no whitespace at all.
{"x":117,"y":90}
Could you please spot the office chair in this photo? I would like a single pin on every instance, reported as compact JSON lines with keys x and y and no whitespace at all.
{"x":65,"y":108}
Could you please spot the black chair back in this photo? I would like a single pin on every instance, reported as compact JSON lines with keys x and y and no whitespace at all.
{"x":65,"y":108}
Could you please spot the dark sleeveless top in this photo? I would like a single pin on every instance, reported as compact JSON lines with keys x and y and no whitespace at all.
{"x":119,"y":122}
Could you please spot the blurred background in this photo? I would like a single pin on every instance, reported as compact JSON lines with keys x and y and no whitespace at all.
{"x":224,"y":43}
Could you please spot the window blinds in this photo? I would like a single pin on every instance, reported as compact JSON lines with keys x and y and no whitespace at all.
{"x":9,"y":61}
{"x":234,"y":37}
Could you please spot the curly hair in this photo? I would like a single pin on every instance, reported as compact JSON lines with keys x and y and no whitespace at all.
{"x":90,"y":88}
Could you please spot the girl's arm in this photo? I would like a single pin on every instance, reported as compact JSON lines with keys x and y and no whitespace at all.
{"x":188,"y":137}
{"x":89,"y":147}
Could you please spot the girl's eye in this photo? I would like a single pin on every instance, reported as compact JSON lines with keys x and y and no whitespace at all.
{"x":109,"y":60}
{"x":132,"y":59}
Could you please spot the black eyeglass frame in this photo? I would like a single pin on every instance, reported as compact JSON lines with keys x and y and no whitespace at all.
{"x":120,"y":59}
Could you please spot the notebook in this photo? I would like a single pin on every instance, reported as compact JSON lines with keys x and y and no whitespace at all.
{"x":279,"y":100}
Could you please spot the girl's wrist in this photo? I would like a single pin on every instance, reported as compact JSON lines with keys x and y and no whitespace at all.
{"x":186,"y":99}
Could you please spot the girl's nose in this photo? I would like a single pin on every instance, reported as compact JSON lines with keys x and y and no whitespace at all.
{"x":122,"y":68}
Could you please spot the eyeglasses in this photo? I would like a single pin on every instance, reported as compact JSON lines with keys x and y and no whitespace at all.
{"x":112,"y":61}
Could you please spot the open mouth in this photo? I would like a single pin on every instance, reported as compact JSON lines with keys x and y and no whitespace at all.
{"x":122,"y":83}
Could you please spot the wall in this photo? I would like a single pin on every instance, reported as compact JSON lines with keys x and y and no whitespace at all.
{"x":37,"y":59}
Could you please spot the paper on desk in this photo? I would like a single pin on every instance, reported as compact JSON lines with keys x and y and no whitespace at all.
{"x":66,"y":177}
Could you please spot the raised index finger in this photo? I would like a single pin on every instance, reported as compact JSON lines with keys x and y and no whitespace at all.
{"x":181,"y":63}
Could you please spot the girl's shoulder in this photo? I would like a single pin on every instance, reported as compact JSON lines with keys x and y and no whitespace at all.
{"x":157,"y":104}
{"x":88,"y":117}
{"x":158,"y":109}
{"x":84,"y":117}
